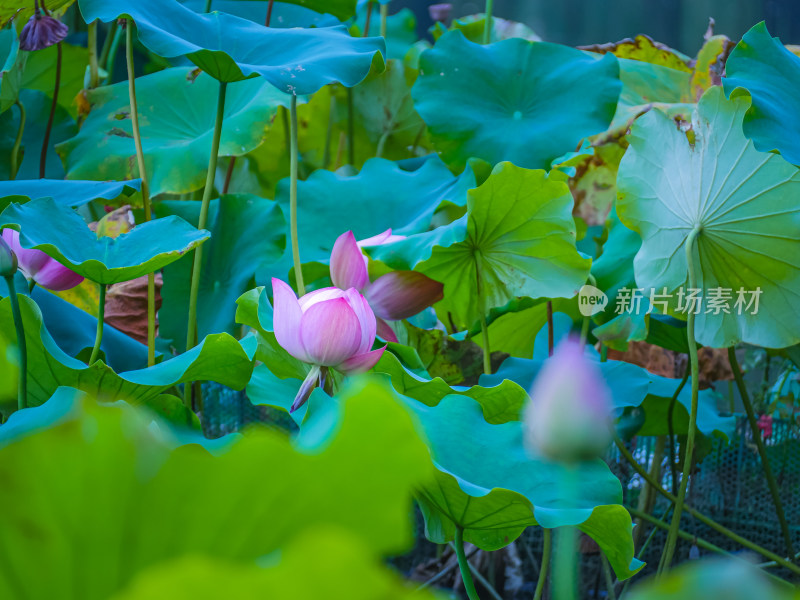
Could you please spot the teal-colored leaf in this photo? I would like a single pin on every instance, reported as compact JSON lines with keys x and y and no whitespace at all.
{"x":518,"y":101}
{"x":176,"y":141}
{"x":296,"y":61}
{"x":59,"y":232}
{"x":285,"y":14}
{"x":769,"y":73}
{"x":401,"y":30}
{"x":68,"y":193}
{"x":740,"y":200}
{"x":11,"y":68}
{"x":217,"y":358}
{"x":246,"y":231}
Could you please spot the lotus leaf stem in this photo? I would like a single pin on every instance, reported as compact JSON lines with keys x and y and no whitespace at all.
{"x":22,"y":389}
{"x":18,"y":140}
{"x":101,"y":311}
{"x":293,"y":159}
{"x":49,"y":128}
{"x":547,"y":544}
{"x":463,"y":565}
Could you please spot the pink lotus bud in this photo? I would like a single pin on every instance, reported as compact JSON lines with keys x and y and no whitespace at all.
{"x":41,"y":31}
{"x":8,"y":260}
{"x":394,"y":296}
{"x":325,"y":328}
{"x":568,"y":416}
{"x":39,"y":267}
{"x":440,"y":12}
{"x":765,"y":425}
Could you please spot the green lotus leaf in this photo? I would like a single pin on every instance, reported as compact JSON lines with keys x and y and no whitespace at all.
{"x":40,"y":73}
{"x":68,"y":193}
{"x":710,"y":65}
{"x":349,"y":570}
{"x":518,"y":101}
{"x":646,"y":84}
{"x":489,"y":484}
{"x":21,"y":12}
{"x":518,"y":236}
{"x":59,"y":232}
{"x":11,"y":68}
{"x":381,"y":196}
{"x":217,"y":358}
{"x":246,"y":231}
{"x":296,"y":61}
{"x":741,"y":202}
{"x":176,"y":142}
{"x":643,"y":48}
{"x":473,"y":26}
{"x":631,"y":386}
{"x":769,"y":73}
{"x":37,"y":107}
{"x":354,"y":475}
{"x":401,"y":30}
{"x":284,"y":14}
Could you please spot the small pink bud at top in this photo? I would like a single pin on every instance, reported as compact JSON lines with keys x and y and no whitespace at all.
{"x":568,"y":416}
{"x":41,"y":31}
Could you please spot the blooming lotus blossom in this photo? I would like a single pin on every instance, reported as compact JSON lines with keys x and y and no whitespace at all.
{"x":568,"y":415}
{"x":328,"y":328}
{"x":40,"y":268}
{"x":41,"y":31}
{"x":393,"y":296}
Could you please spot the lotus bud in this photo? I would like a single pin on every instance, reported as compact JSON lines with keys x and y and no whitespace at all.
{"x":8,"y":260}
{"x":440,"y":12}
{"x":40,"y":268}
{"x":325,"y":328}
{"x":568,"y":416}
{"x":41,"y":31}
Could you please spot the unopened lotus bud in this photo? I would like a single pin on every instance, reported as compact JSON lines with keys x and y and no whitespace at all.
{"x":8,"y":260}
{"x":568,"y":416}
{"x":41,"y":31}
{"x":440,"y":12}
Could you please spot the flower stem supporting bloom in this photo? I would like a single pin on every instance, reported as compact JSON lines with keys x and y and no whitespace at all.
{"x":487,"y":26}
{"x":487,"y":351}
{"x":463,"y":565}
{"x":293,"y":159}
{"x":384,"y":18}
{"x":22,"y":390}
{"x":762,"y":451}
{"x":672,"y":536}
{"x":94,"y":72}
{"x":148,"y":213}
{"x":18,"y":141}
{"x":197,"y":267}
{"x":101,"y":311}
{"x":49,"y":128}
{"x":547,"y":544}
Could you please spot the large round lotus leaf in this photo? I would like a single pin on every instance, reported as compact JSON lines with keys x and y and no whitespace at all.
{"x":518,"y":231}
{"x":219,"y":358}
{"x":22,"y":11}
{"x":68,"y":193}
{"x":644,"y":83}
{"x":524,"y":102}
{"x":770,"y":74}
{"x":59,"y":232}
{"x":284,"y":14}
{"x":381,"y":196}
{"x":742,"y":202}
{"x":176,"y":141}
{"x":643,"y":48}
{"x":489,"y":484}
{"x":355,"y":477}
{"x":296,"y":61}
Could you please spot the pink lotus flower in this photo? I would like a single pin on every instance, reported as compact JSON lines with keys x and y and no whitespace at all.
{"x":568,"y":415}
{"x":40,"y":268}
{"x":765,"y":425}
{"x":393,"y":296}
{"x":328,"y":328}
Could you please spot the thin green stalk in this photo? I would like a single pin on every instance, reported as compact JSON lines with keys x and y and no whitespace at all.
{"x":351,"y":131}
{"x":49,"y":128}
{"x":148,"y":213}
{"x":608,"y":577}
{"x":368,"y":22}
{"x":463,"y":565}
{"x":382,"y":144}
{"x":762,"y":451}
{"x":565,"y":565}
{"x":18,"y":141}
{"x":101,"y":312}
{"x":208,"y":6}
{"x":672,"y":536}
{"x":326,"y":157}
{"x":269,"y":14}
{"x":487,"y":351}
{"x":110,"y":35}
{"x":293,"y":159}
{"x":197,"y":268}
{"x":673,"y":467}
{"x":94,"y":72}
{"x":642,"y":472}
{"x":585,"y":330}
{"x":547,"y":544}
{"x":22,"y":390}
{"x":384,"y":17}
{"x":550,"y":333}
{"x":112,"y":55}
{"x":487,"y":27}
